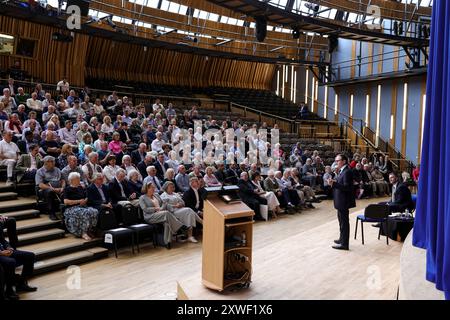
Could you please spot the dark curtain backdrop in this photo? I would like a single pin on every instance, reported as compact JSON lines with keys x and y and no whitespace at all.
{"x":432,"y":224}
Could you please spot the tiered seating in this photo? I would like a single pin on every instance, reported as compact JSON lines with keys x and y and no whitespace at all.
{"x":263,"y":100}
{"x":54,"y":248}
{"x":139,"y":87}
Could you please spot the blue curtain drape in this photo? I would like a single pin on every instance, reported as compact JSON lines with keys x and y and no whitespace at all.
{"x":432,"y":224}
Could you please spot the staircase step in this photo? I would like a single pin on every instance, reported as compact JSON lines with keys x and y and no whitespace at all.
{"x":64,"y":261}
{"x":18,"y":204}
{"x":66,"y":245}
{"x":4,"y":196}
{"x":36,"y":224}
{"x":40,"y":236}
{"x":6,"y":188}
{"x":23,"y":214}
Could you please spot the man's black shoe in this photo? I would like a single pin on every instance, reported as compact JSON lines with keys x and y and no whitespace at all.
{"x":310,"y":206}
{"x":25,"y":288}
{"x":53,"y":217}
{"x":339,"y":247}
{"x":337,"y":241}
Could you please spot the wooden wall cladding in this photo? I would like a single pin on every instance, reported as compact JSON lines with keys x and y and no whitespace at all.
{"x":122,"y":61}
{"x":52,"y":60}
{"x":102,"y":58}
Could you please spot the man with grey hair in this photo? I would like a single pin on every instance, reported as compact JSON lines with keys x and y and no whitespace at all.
{"x":8,"y":100}
{"x":158,"y":142}
{"x":249,"y":196}
{"x":98,"y":195}
{"x":119,"y":190}
{"x":72,"y":166}
{"x":8,"y":155}
{"x":91,"y":167}
{"x":309,"y":174}
{"x":50,"y":184}
{"x":182,"y":179}
{"x":138,"y":155}
{"x":151,"y":171}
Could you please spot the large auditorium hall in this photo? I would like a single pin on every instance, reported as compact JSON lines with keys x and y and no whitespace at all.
{"x":244,"y":150}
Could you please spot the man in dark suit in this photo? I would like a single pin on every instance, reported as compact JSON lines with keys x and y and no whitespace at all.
{"x":249,"y":196}
{"x":98,"y":194}
{"x":125,"y":135}
{"x":142,"y":166}
{"x":344,"y":199}
{"x":10,"y":225}
{"x":138,"y":155}
{"x":401,"y":196}
{"x":10,"y":259}
{"x":161,"y":167}
{"x":118,"y":188}
{"x":193,"y":198}
{"x":231,"y":175}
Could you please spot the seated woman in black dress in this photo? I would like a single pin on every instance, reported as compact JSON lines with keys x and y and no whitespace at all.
{"x":134,"y":183}
{"x":79,"y":218}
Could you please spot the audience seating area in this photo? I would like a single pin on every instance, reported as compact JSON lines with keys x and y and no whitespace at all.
{"x":56,"y":248}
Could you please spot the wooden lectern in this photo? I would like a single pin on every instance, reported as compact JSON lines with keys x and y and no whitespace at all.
{"x":227,"y":244}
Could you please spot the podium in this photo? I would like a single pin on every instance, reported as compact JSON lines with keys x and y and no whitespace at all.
{"x":227,"y":244}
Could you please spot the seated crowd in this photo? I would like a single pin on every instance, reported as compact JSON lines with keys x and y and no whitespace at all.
{"x":98,"y":155}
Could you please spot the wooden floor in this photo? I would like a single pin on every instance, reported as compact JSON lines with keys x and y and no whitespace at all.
{"x":292,"y":259}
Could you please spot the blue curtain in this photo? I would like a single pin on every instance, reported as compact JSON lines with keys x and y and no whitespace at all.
{"x":432,"y":224}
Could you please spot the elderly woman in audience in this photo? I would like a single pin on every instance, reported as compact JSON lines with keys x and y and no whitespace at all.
{"x":129,"y":166}
{"x":169,"y":176}
{"x":382,"y":185}
{"x":87,"y":140}
{"x":307,"y":193}
{"x":83,"y":129}
{"x":210,"y":179}
{"x":80,"y":219}
{"x":285,"y":183}
{"x":172,"y":162}
{"x":107,"y":126}
{"x":115,"y":145}
{"x":272,"y":201}
{"x":176,"y":205}
{"x":135,"y":182}
{"x":156,"y":211}
{"x":111,"y":169}
{"x":66,"y":151}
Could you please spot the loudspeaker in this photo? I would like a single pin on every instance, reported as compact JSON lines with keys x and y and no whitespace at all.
{"x":333,"y":42}
{"x":261,"y":28}
{"x":82,"y":4}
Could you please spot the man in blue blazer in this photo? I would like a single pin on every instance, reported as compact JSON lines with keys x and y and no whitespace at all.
{"x":98,"y":193}
{"x":344,"y":199}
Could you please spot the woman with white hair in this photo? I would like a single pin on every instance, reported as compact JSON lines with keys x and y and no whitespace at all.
{"x":135,"y":182}
{"x":80,"y":219}
{"x":84,"y":128}
{"x":176,"y":205}
{"x":128,"y":166}
{"x":169,"y":176}
{"x":173,"y":162}
{"x":210,"y":179}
